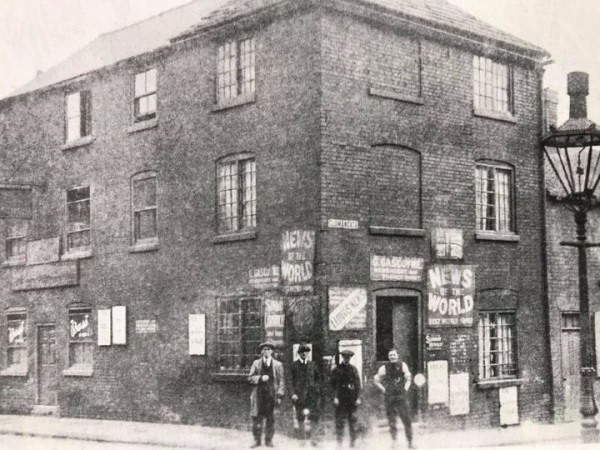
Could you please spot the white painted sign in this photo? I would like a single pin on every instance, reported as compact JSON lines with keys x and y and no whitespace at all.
{"x":437,"y":382}
{"x":339,"y":223}
{"x":509,"y":405}
{"x":146,"y":326}
{"x":308,"y":354}
{"x":459,"y":394}
{"x":357,"y":360}
{"x":197,"y":334}
{"x":396,"y":268}
{"x":264,"y":278}
{"x":347,"y":308}
{"x":119,"y":325}
{"x":104,"y":327}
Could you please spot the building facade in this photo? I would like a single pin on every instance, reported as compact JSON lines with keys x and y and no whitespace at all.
{"x":352,"y":174}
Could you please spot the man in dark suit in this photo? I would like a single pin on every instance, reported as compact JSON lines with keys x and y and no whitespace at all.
{"x":305,"y":390}
{"x":346,"y":385}
{"x":266,"y":377}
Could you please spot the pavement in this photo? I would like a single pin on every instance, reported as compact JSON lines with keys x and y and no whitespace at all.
{"x":525,"y":435}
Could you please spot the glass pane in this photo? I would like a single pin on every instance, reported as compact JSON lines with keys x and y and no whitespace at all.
{"x":73,"y":128}
{"x":16,"y":330}
{"x":151,"y":81}
{"x":145,"y":224}
{"x":80,"y":326}
{"x":140,"y":84}
{"x":78,"y":239}
{"x":144,"y":193}
{"x":74,"y":105}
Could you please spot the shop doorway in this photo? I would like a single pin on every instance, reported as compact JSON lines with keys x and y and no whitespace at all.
{"x":47,"y":376}
{"x":397,"y":326}
{"x":571,"y":365}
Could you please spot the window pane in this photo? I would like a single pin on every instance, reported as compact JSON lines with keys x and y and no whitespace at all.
{"x":140,"y":84}
{"x":144,"y":193}
{"x":78,"y":239}
{"x":497,"y":357}
{"x":80,"y":325}
{"x":145,"y":224}
{"x":151,"y":81}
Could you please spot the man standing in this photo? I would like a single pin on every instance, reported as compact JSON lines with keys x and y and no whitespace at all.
{"x":394,"y":379}
{"x":305,"y":391}
{"x":346,"y":390}
{"x":266,"y":377}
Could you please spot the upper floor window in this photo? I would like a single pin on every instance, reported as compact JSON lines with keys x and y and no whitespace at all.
{"x":78,"y":219}
{"x":145,"y":97}
{"x":144,"y":204}
{"x":240,"y":332}
{"x":16,"y":240}
{"x":235,"y":69}
{"x":81,"y":343}
{"x":236,"y":190}
{"x":492,"y":86}
{"x":78,"y":121}
{"x":497,"y":345}
{"x":494,"y":198}
{"x":17,"y":340}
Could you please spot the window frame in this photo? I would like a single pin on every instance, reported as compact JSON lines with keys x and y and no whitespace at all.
{"x":242,"y":216}
{"x":84,"y":116}
{"x":136,"y":241}
{"x":73,"y":227}
{"x":21,"y":257}
{"x":23,"y":347}
{"x":80,"y":368}
{"x":492,"y":91}
{"x":511,"y":354}
{"x":140,"y":118}
{"x":252,"y":353}
{"x":482,"y":216}
{"x":242,"y":77}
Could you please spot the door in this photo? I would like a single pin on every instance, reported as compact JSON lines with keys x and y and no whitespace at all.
{"x":46,"y":365}
{"x":398,"y":327}
{"x":570,"y":365}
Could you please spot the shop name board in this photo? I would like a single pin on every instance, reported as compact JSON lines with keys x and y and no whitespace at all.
{"x":264,"y":278}
{"x":339,"y":223}
{"x":297,"y":259}
{"x":396,"y":268}
{"x":45,"y":276}
{"x":450,"y":296}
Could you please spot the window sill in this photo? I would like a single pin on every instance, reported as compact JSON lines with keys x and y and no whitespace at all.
{"x":243,"y":236}
{"x":494,"y":384}
{"x":144,"y":247}
{"x":15,"y":371}
{"x":503,"y":237}
{"x":81,"y":142}
{"x":230,"y":377}
{"x":392,"y":94}
{"x":78,"y":371}
{"x":503,"y":117}
{"x":235,"y":101}
{"x":393,"y":231}
{"x":143,"y":125}
{"x":15,"y":262}
{"x":79,"y":254}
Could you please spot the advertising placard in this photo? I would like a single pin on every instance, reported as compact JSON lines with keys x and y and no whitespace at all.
{"x":450,"y":295}
{"x":347,"y":308}
{"x":297,"y":261}
{"x":264,"y":278}
{"x":104,"y":327}
{"x":197,"y":334}
{"x":396,"y":268}
{"x":509,"y":405}
{"x":274,"y":321}
{"x":437,"y":382}
{"x":119,"y":325}
{"x":459,"y":394}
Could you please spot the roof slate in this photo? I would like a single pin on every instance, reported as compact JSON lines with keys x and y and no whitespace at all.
{"x":158,"y":31}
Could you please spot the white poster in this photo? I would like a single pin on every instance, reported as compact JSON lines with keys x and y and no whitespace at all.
{"x":509,"y":405}
{"x":104,"y":327}
{"x":357,"y":360}
{"x":308,"y":354}
{"x":197,"y":334}
{"x":437,"y":382}
{"x":119,"y":325}
{"x":459,"y":394}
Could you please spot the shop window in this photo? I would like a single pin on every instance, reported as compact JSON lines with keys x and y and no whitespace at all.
{"x":81,"y":344}
{"x":235,"y":70}
{"x":145,"y":95}
{"x":78,"y":236}
{"x":239,"y":333}
{"x":492,"y":86}
{"x":145,"y":208}
{"x":236,"y":191}
{"x":497,"y":345}
{"x":16,"y":353}
{"x":78,"y":115}
{"x":494,"y":211}
{"x":16,"y":241}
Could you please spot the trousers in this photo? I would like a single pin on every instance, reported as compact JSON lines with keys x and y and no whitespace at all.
{"x":345,"y":413}
{"x":257,"y":421}
{"x":397,"y":406}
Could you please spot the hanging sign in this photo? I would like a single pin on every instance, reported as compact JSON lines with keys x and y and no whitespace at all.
{"x":437,"y":382}
{"x":104,"y":327}
{"x":297,"y":261}
{"x":396,"y":268}
{"x":450,"y":294}
{"x":347,"y":308}
{"x":197,"y":334}
{"x":459,"y":394}
{"x":119,"y":325}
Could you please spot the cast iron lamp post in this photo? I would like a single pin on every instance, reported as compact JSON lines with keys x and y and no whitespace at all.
{"x":573,"y":153}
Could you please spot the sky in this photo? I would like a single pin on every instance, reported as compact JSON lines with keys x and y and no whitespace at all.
{"x":37,"y":34}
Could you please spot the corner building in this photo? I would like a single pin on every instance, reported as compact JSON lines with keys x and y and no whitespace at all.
{"x":354,"y":174}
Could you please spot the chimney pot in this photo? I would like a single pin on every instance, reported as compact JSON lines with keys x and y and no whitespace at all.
{"x":578,"y":89}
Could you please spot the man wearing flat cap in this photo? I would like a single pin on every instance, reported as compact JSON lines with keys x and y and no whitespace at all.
{"x":266,"y":377}
{"x":346,"y":384}
{"x":305,"y":390}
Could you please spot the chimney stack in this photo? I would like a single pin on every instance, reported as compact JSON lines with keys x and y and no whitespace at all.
{"x":578,"y":89}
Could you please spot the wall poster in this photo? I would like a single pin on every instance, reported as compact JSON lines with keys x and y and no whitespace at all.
{"x":197,"y":334}
{"x":459,"y":394}
{"x":297,"y":260}
{"x":450,"y":295}
{"x":396,"y":268}
{"x":509,"y":405}
{"x":437,"y":382}
{"x":347,"y":308}
{"x":119,"y":325}
{"x":104,"y":337}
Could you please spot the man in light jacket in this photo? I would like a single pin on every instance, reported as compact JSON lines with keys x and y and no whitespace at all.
{"x":266,"y":377}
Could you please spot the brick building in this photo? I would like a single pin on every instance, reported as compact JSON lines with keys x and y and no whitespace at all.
{"x":355,"y":174}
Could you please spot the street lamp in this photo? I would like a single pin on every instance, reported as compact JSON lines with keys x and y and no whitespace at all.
{"x":573,"y":153}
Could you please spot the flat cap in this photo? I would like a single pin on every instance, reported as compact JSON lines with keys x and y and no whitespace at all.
{"x":347,"y":353}
{"x":266,"y":344}
{"x":303,"y":348}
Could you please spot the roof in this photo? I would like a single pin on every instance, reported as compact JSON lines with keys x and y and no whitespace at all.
{"x":178,"y":23}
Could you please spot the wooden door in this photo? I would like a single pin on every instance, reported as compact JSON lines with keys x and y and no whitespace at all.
{"x":46,"y":365}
